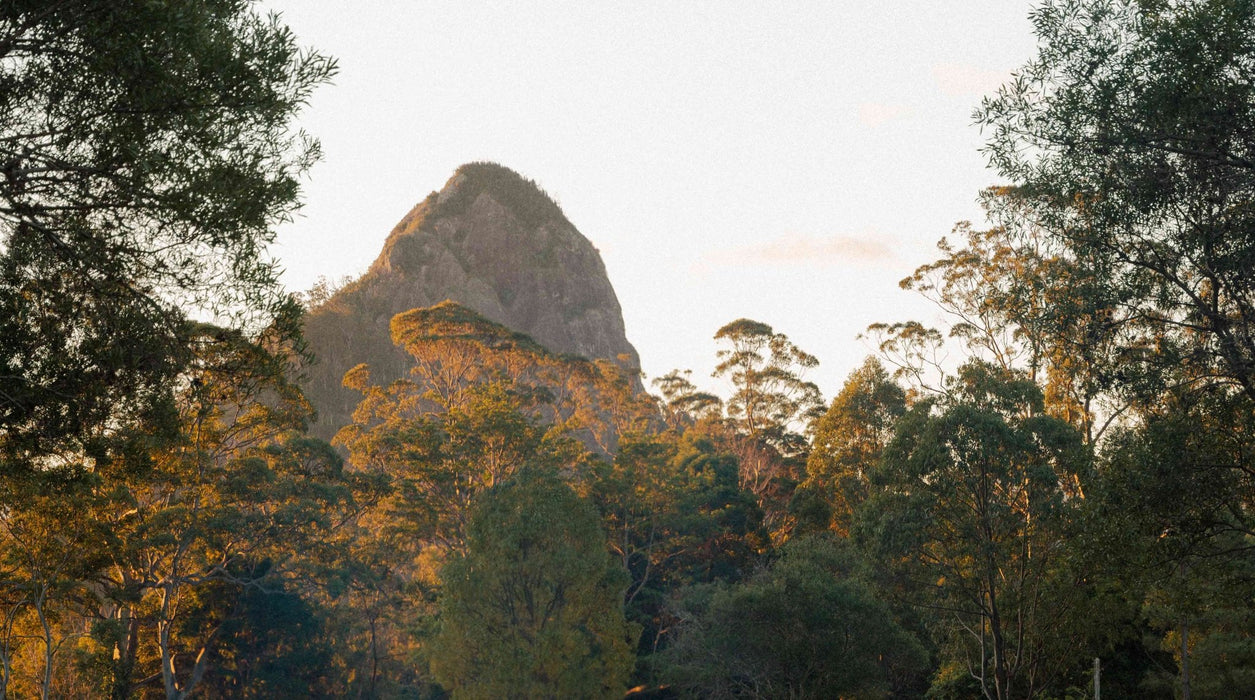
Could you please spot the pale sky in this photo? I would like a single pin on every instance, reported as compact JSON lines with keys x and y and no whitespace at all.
{"x":785,"y":162}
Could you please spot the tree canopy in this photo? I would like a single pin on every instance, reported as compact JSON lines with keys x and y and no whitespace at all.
{"x":146,"y":152}
{"x":534,"y":607}
{"x":1130,"y":140}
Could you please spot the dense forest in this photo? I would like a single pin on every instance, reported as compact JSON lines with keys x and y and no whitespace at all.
{"x":1050,"y":494}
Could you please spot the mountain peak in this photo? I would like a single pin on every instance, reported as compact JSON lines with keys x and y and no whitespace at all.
{"x":479,"y":184}
{"x":520,"y":195}
{"x":492,"y":241}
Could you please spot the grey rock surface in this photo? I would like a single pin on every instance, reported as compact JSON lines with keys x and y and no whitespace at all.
{"x":490,"y":240}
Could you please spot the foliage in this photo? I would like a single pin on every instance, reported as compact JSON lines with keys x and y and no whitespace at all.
{"x":454,"y":348}
{"x":519,"y":195}
{"x":482,"y":405}
{"x":682,"y":403}
{"x":1012,"y":296}
{"x":146,"y":152}
{"x":971,"y":504}
{"x":769,"y":396}
{"x":233,"y":496}
{"x":49,"y":549}
{"x":534,"y":607}
{"x":323,"y":290}
{"x":1129,"y":142}
{"x":238,"y":498}
{"x":771,"y":404}
{"x":516,"y":523}
{"x":676,"y":516}
{"x":271,"y":643}
{"x":847,"y":444}
{"x":803,"y":628}
{"x":1173,"y":513}
{"x":429,"y":467}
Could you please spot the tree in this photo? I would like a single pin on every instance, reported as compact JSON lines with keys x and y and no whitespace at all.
{"x":431,"y":467}
{"x":454,"y":348}
{"x":770,"y":408}
{"x":481,"y":404}
{"x":50,"y":549}
{"x":270,"y":640}
{"x":534,"y":608}
{"x":770,"y":400}
{"x":804,"y":628}
{"x":1172,"y":521}
{"x":237,"y":497}
{"x":1129,"y":140}
{"x":1014,"y":296}
{"x":848,"y":441}
{"x":971,"y":502}
{"x":146,"y":152}
{"x":682,"y":403}
{"x":676,"y":516}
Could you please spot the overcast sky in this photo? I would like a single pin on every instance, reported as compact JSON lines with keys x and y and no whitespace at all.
{"x":785,"y":162}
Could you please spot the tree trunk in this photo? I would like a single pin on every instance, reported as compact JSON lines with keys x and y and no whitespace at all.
{"x":45,"y":686}
{"x":1185,"y":659}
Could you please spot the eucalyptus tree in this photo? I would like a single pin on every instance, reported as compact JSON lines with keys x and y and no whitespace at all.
{"x":1129,"y":140}
{"x":1012,"y":296}
{"x":971,"y":501}
{"x":237,"y":499}
{"x":682,"y":403}
{"x":849,"y":439}
{"x":769,"y":413}
{"x":771,"y":400}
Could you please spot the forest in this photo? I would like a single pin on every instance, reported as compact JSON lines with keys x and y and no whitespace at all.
{"x":1050,"y":494}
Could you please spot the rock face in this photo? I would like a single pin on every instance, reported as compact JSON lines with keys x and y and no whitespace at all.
{"x":490,"y":240}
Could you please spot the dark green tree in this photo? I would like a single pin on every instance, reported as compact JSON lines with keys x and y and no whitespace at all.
{"x":271,"y":641}
{"x":146,"y":153}
{"x":803,"y":628}
{"x":534,"y":608}
{"x":675,"y":516}
{"x":1171,"y":521}
{"x":1129,"y":141}
{"x":971,"y":501}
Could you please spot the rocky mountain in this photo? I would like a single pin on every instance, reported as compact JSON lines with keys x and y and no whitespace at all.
{"x":490,"y":240}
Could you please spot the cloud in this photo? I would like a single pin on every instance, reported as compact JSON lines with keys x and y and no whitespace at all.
{"x":963,"y":80}
{"x":873,"y":114}
{"x":796,"y":249}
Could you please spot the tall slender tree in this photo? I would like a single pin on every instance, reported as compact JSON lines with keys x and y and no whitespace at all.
{"x":771,"y":401}
{"x":971,"y":502}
